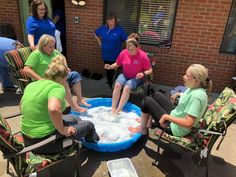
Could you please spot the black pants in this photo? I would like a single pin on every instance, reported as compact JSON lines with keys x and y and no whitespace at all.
{"x":157,"y":105}
{"x":84,"y":129}
{"x":110,"y":73}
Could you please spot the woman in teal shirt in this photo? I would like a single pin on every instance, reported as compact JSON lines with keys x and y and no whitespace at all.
{"x":42,"y":105}
{"x":186,"y":114}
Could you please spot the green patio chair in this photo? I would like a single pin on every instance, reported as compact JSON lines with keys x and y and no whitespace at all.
{"x":27,"y":163}
{"x":217,"y":118}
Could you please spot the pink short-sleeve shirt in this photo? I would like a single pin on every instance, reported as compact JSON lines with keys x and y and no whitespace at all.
{"x":132,"y":65}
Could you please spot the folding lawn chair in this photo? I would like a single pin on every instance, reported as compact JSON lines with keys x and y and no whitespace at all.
{"x":217,"y":118}
{"x":16,"y":59}
{"x":27,"y":163}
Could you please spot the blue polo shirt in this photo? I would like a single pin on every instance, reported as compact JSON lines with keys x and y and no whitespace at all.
{"x":111,"y":41}
{"x":38,"y":27}
{"x":6,"y":44}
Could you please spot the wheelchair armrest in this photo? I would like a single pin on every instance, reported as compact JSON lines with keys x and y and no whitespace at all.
{"x":8,"y":116}
{"x":209,"y":132}
{"x":23,"y":80}
{"x":66,"y":142}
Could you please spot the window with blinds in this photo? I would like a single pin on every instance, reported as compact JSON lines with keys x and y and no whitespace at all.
{"x":228,"y":44}
{"x":152,"y":19}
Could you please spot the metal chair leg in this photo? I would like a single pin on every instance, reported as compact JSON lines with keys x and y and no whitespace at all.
{"x":207,"y":166}
{"x":77,"y":158}
{"x":8,"y":167}
{"x":158,"y":148}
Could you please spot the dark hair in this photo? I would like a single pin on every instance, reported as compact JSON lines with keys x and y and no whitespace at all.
{"x":110,"y":16}
{"x":34,"y":7}
{"x":136,"y":36}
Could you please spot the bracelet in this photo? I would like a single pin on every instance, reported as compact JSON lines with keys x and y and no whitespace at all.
{"x":144,"y":74}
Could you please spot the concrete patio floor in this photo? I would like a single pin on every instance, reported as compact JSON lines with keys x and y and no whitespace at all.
{"x":174,"y":162}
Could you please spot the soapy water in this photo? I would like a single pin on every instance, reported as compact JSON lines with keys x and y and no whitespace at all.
{"x":111,"y":128}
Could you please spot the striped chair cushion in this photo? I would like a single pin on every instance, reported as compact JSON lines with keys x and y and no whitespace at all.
{"x":16,"y":59}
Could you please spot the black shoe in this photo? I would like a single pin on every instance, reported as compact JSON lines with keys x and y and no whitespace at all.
{"x":85,"y":73}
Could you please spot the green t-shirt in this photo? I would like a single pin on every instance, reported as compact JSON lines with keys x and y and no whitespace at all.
{"x":193,"y":102}
{"x":36,"y":121}
{"x":39,"y":61}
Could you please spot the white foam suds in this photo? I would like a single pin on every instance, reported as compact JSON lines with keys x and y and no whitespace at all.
{"x":111,"y":128}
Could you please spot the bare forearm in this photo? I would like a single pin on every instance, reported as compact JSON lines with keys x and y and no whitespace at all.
{"x":31,"y":40}
{"x":148,"y":72}
{"x":183,"y":122}
{"x":68,"y":96}
{"x":98,"y":39}
{"x":54,"y":109}
{"x":31,"y":73}
{"x":113,"y":66}
{"x":56,"y":117}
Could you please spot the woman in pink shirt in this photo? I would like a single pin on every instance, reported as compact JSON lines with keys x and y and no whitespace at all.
{"x":135,"y":65}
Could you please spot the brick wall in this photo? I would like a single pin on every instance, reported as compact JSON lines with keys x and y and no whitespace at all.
{"x":10,"y":13}
{"x":83,"y":51}
{"x":197,"y":37}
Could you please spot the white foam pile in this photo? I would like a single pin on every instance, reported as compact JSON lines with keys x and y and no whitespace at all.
{"x":111,"y":128}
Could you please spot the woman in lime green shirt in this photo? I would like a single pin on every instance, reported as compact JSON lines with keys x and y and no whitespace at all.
{"x":42,"y":105}
{"x":37,"y":63}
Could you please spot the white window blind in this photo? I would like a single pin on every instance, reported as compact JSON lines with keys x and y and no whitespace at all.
{"x":156,"y":21}
{"x":127,"y":13}
{"x":152,"y":19}
{"x":228,"y":44}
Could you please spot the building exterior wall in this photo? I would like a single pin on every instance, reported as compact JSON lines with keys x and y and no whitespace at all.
{"x":10,"y":13}
{"x":197,"y":36}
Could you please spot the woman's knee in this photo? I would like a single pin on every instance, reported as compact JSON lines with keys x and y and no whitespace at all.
{"x":74,"y":77}
{"x":126,"y":89}
{"x":145,"y":102}
{"x":118,"y":86}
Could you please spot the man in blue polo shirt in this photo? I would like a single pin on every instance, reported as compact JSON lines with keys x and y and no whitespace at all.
{"x":110,"y":38}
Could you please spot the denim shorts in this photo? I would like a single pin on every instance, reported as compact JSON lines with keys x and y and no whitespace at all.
{"x":73,"y":78}
{"x":131,"y":83}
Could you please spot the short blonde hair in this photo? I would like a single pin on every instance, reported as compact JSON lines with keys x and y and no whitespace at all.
{"x":200,"y":73}
{"x":57,"y":69}
{"x":43,"y":41}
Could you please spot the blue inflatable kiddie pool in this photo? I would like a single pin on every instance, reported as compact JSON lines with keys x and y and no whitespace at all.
{"x":116,"y":146}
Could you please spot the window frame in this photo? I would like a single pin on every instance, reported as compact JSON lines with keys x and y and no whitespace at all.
{"x":137,"y":27}
{"x":224,"y":38}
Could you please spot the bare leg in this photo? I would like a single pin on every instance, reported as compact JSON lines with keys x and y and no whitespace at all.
{"x":124,"y":98}
{"x":69,"y":99}
{"x":115,"y":97}
{"x":77,"y":90}
{"x":145,"y":117}
{"x":149,"y":123}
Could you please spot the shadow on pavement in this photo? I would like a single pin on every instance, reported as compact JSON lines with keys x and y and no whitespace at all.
{"x":94,"y":159}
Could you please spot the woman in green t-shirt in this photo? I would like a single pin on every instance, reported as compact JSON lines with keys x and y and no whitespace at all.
{"x":42,"y":105}
{"x":192,"y":105}
{"x":37,"y":63}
